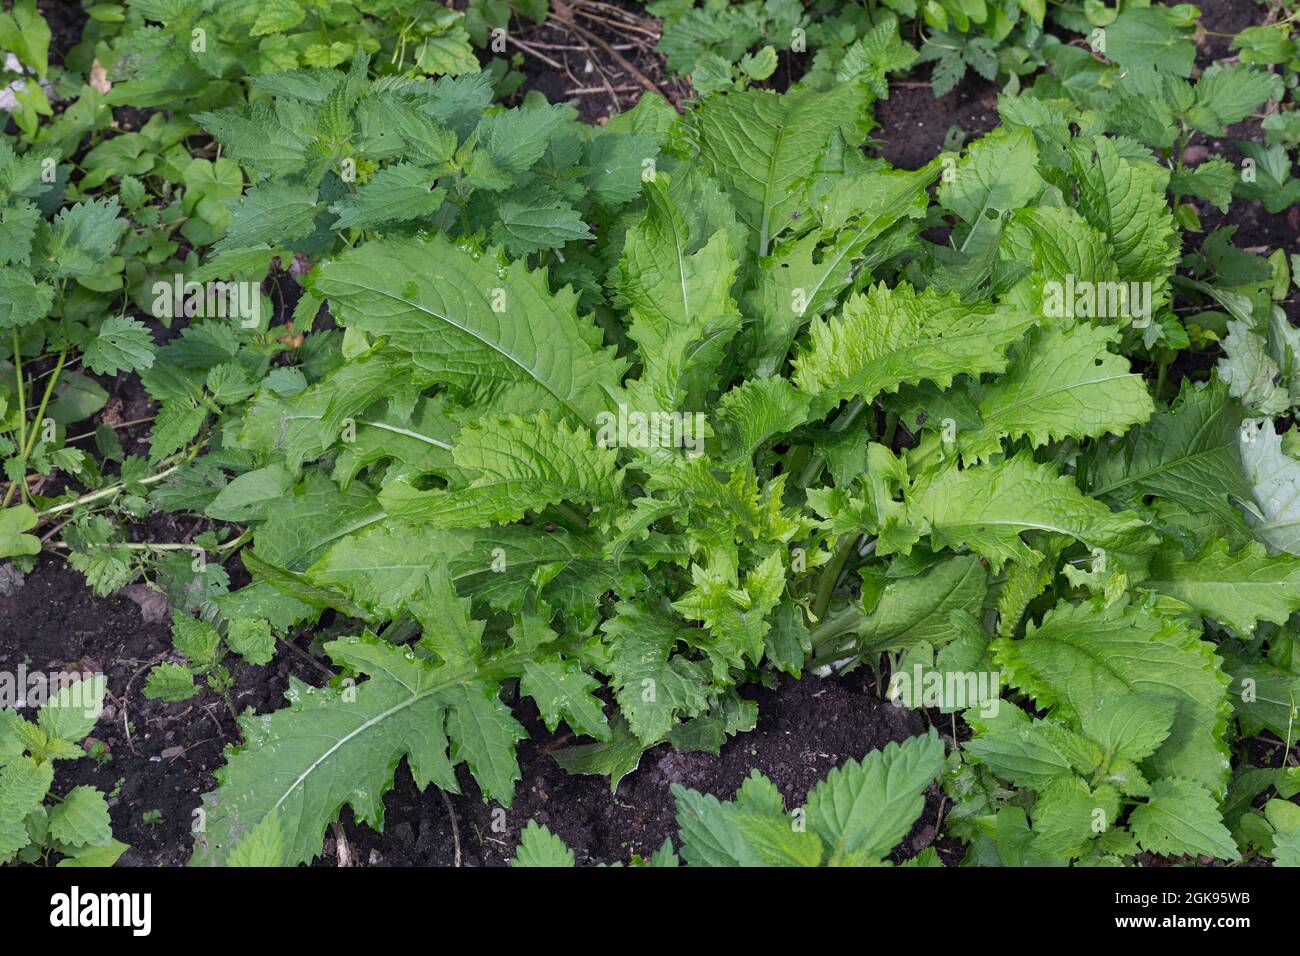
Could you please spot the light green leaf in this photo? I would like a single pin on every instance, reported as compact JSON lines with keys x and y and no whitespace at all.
{"x":23,"y":785}
{"x":863,"y":809}
{"x":889,"y":337}
{"x":81,"y":819}
{"x":987,"y":508}
{"x":1064,"y":382}
{"x":677,"y":288}
{"x":169,"y":682}
{"x":1274,"y":478}
{"x":562,"y":690}
{"x":538,"y":846}
{"x":263,"y":846}
{"x":13,"y":522}
{"x":520,"y":465}
{"x":72,"y":713}
{"x":1239,"y":590}
{"x":997,"y":174}
{"x":1182,"y":819}
{"x":122,"y":345}
{"x":474,"y":323}
{"x":1084,"y":655}
{"x":761,"y":144}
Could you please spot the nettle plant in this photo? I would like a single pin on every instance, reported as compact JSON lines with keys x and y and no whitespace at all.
{"x":36,"y":825}
{"x":747,"y":419}
{"x":335,"y":157}
{"x":188,"y":54}
{"x":60,"y":281}
{"x":723,"y":46}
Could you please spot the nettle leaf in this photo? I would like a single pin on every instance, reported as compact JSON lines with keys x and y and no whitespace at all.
{"x":72,"y":713}
{"x":1065,"y":813}
{"x":1152,"y":37}
{"x":122,"y":345}
{"x":1212,"y":181}
{"x":264,"y":140}
{"x":23,"y":785}
{"x":1018,"y":749}
{"x":1227,"y":95}
{"x":538,"y":846}
{"x":81,"y":819}
{"x":271,"y":213}
{"x":263,"y":846}
{"x":1182,"y":819}
{"x":23,"y":300}
{"x":862,"y":810}
{"x":251,"y":639}
{"x":530,"y":220}
{"x":18,"y":225}
{"x":79,"y":240}
{"x":854,"y":817}
{"x":169,"y":682}
{"x":871,"y":57}
{"x":472,"y":322}
{"x":516,"y":139}
{"x":447,"y":53}
{"x":1131,"y":727}
{"x":617,"y":162}
{"x":396,"y":193}
{"x":1083,"y":655}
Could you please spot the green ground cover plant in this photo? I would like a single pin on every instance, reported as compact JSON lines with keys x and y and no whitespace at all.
{"x":619,"y":420}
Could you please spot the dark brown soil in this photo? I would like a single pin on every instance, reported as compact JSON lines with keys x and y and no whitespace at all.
{"x":160,"y":756}
{"x":913,"y":124}
{"x":66,"y":20}
{"x":1221,"y":20}
{"x":600,"y":62}
{"x":805,"y":728}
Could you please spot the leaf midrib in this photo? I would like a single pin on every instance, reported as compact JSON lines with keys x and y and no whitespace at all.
{"x":528,"y":370}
